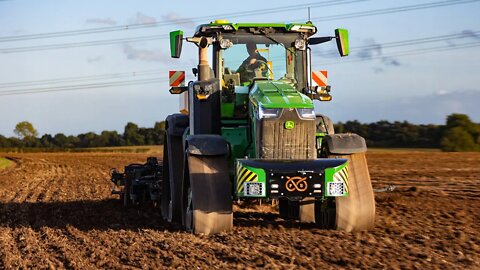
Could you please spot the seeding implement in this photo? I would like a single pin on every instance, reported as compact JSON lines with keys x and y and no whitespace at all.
{"x":248,"y":130}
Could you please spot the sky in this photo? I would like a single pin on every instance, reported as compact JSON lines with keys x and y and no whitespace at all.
{"x":415,"y":61}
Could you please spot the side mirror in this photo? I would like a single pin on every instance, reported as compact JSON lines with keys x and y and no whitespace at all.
{"x":176,"y":39}
{"x":341,"y":36}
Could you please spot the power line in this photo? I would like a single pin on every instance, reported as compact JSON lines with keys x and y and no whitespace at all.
{"x":409,"y":42}
{"x":178,"y":21}
{"x":157,"y":80}
{"x":81,"y":44}
{"x":392,"y":10}
{"x":442,"y":48}
{"x":82,"y":78}
{"x":166,"y":36}
{"x":79,"y":87}
{"x":393,"y":44}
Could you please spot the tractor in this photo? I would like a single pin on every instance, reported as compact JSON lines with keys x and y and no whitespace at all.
{"x":248,"y":131}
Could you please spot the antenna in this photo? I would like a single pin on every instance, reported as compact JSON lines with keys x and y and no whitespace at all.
{"x":309,"y":14}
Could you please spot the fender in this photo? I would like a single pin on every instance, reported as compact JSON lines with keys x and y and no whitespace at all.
{"x":345,"y":143}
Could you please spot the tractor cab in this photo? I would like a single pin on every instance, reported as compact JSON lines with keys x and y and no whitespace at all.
{"x":246,"y":55}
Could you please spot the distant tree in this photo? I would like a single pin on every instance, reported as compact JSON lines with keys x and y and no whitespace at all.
{"x":27,"y":133}
{"x":110,"y":138}
{"x":131,"y":135}
{"x":24,"y":130}
{"x":60,"y":140}
{"x":88,"y":140}
{"x":47,"y":141}
{"x":461,"y":134}
{"x":458,"y":139}
{"x":4,"y":142}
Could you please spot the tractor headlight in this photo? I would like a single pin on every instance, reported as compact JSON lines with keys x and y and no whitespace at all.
{"x":268,"y":113}
{"x":300,"y":44}
{"x":306,"y":113}
{"x":225,"y":43}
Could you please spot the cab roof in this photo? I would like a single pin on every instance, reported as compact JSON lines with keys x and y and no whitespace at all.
{"x":226,"y":26}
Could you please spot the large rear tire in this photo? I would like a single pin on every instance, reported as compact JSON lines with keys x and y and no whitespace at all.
{"x":207,"y":195}
{"x":355,"y":212}
{"x":173,"y":167}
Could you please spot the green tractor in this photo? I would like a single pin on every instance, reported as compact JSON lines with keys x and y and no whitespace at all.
{"x":248,"y":130}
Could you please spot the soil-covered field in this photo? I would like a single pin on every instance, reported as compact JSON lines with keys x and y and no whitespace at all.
{"x":56,"y":211}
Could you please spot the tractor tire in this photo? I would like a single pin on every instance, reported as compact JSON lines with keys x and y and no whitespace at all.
{"x":173,"y":167}
{"x":355,"y":212}
{"x":207,"y":195}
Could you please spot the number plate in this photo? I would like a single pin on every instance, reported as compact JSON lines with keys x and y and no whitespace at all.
{"x":253,"y":189}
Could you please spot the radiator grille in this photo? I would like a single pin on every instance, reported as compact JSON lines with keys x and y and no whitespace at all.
{"x":274,"y":141}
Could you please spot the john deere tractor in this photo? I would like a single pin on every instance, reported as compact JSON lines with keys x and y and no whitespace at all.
{"x":248,"y":130}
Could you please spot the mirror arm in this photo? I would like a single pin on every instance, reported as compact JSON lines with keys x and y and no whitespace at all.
{"x":319,"y":40}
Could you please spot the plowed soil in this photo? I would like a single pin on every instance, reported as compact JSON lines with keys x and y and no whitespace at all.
{"x":56,"y":211}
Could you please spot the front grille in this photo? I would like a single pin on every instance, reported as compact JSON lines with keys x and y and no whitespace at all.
{"x":274,"y":141}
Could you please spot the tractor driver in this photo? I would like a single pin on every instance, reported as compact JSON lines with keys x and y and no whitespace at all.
{"x":254,"y":62}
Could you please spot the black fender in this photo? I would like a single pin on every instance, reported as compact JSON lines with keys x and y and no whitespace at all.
{"x":208,"y":173}
{"x":345,"y":143}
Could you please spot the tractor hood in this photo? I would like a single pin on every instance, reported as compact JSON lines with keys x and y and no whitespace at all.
{"x":278,"y":94}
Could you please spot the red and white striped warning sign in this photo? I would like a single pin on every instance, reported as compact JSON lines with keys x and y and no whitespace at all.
{"x":320,"y":77}
{"x":177,"y":78}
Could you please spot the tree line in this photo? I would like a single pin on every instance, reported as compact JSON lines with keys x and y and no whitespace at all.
{"x":459,"y":133}
{"x":27,"y":137}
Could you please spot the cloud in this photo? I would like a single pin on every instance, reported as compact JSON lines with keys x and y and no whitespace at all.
{"x":94,"y":59}
{"x":370,"y":50}
{"x":141,"y":18}
{"x":390,"y":61}
{"x":106,"y":21}
{"x":177,"y":19}
{"x":145,"y":55}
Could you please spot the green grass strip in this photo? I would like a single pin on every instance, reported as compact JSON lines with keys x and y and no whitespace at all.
{"x":4,"y":163}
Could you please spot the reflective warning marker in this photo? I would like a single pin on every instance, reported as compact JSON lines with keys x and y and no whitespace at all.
{"x":320,"y":77}
{"x":177,"y":78}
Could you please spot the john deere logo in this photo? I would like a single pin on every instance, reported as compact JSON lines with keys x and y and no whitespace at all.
{"x":289,"y":125}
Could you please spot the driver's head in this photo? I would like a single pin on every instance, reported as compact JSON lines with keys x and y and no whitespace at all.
{"x":251,"y":48}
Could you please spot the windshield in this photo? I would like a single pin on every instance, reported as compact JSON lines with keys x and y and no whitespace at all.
{"x":252,"y":56}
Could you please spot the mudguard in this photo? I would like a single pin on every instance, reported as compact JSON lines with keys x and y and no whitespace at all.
{"x":176,"y":124}
{"x":345,"y":143}
{"x":207,"y":145}
{"x":208,"y":170}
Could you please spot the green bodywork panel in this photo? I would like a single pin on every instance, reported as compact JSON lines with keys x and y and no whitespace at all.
{"x":249,"y":174}
{"x":228,"y":109}
{"x":342,"y":173}
{"x":278,"y":94}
